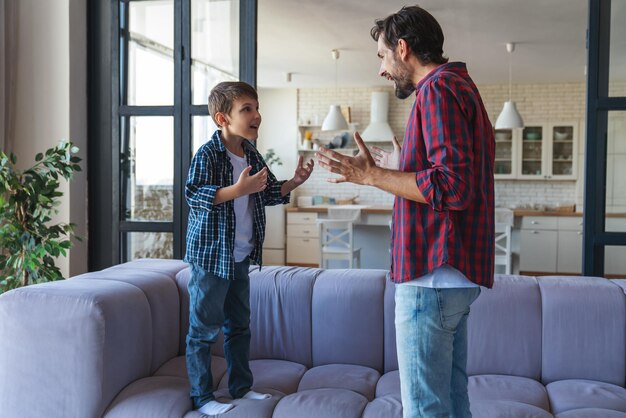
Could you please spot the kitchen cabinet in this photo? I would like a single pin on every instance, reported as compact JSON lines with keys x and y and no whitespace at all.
{"x":303,"y":243}
{"x":547,"y":151}
{"x":551,"y":244}
{"x":554,"y":244}
{"x":505,"y":166}
{"x":538,"y":244}
{"x":274,"y":244}
{"x":569,"y":244}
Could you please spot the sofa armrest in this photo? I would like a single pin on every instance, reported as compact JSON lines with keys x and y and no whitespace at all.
{"x":68,"y":347}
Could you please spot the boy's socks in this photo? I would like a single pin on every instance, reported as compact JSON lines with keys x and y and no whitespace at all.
{"x":256,"y":395}
{"x":215,"y":408}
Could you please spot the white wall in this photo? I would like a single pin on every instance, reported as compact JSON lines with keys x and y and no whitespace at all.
{"x":51,"y":99}
{"x":278,"y":108}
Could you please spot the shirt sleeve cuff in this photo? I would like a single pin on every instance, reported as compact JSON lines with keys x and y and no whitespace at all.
{"x":425,"y":184}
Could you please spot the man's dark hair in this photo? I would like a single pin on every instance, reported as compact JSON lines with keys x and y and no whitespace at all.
{"x":223,"y":96}
{"x":418,"y":28}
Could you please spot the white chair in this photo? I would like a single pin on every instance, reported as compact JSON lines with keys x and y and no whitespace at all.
{"x":337,"y":237}
{"x":503,"y":246}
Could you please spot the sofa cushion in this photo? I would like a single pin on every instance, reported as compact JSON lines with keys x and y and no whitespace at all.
{"x":278,"y":294}
{"x":73,"y":344}
{"x":164,"y":266}
{"x":389,"y":406}
{"x":508,"y":388}
{"x":279,"y":375}
{"x":347,"y":317}
{"x":388,"y":384}
{"x":566,"y":395}
{"x":504,"y":329}
{"x":621,"y":283}
{"x":359,"y":379}
{"x":316,"y":403}
{"x":177,"y":367}
{"x":162,"y":295}
{"x":574,"y":345}
{"x":506,"y":409}
{"x":591,"y":413}
{"x":154,"y":397}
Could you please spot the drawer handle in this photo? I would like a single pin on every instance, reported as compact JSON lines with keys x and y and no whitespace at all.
{"x":306,"y":231}
{"x":534,"y":222}
{"x":306,"y":219}
{"x":535,"y":232}
{"x":305,"y":240}
{"x":579,"y":232}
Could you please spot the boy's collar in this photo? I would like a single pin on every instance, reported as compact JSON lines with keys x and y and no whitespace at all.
{"x":217,"y":140}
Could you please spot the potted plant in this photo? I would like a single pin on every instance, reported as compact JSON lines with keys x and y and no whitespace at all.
{"x":28,"y":199}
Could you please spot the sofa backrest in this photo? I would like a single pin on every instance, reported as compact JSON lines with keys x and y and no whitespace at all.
{"x":584,"y":329}
{"x":505,"y":329}
{"x":348,"y":318}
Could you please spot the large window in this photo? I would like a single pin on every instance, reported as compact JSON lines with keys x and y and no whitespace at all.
{"x":605,"y":200}
{"x":162,"y":59}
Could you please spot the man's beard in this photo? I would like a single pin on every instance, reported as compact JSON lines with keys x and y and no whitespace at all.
{"x":403,"y":82}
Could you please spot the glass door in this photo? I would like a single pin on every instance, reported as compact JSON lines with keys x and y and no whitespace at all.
{"x":532,"y":152}
{"x":562,"y":150}
{"x":503,"y":167}
{"x":169,"y":55}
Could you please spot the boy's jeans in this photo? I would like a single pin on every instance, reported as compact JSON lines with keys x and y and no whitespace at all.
{"x":431,"y":336}
{"x":213,"y":303}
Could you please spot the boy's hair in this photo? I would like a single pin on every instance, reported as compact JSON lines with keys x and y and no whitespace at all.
{"x":418,"y":28}
{"x":223,"y":96}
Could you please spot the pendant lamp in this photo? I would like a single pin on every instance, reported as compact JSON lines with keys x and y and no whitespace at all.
{"x":509,"y":117}
{"x":335,"y":121}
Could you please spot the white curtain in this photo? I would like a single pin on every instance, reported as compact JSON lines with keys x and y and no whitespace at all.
{"x":8,"y":66}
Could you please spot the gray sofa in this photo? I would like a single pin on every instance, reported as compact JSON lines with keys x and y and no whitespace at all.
{"x":111,"y":343}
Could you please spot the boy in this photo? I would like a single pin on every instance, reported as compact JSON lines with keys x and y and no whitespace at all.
{"x":227,"y":188}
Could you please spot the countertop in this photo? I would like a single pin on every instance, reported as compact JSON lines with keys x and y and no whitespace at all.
{"x":386,"y":210}
{"x":530,"y":212}
{"x":366,"y":209}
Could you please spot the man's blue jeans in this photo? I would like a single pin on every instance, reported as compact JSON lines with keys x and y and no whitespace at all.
{"x":431,"y":337}
{"x":215,"y":302}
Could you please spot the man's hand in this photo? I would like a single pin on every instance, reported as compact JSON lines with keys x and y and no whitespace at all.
{"x":302,"y":172}
{"x":387,"y":159}
{"x":358,"y":169}
{"x":248,"y":184}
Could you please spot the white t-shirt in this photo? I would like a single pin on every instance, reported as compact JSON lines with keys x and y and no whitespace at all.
{"x":244,"y":233}
{"x":444,"y":277}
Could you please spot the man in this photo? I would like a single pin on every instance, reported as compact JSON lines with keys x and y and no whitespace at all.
{"x":443,"y":215}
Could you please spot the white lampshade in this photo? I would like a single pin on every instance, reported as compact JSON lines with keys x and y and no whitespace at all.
{"x":334,"y":121}
{"x":378,"y":129}
{"x":509,"y":117}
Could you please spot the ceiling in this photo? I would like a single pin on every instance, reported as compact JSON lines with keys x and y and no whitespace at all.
{"x":297,"y":36}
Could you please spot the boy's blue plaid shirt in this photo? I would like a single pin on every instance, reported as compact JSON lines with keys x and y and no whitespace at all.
{"x":211,"y":229}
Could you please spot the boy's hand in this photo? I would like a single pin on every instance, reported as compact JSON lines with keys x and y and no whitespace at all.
{"x":248,"y":184}
{"x":387,"y":159}
{"x":302,"y":172}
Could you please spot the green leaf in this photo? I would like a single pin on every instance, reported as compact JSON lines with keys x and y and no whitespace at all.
{"x":39,"y":157}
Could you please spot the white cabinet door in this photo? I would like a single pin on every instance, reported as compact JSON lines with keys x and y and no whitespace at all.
{"x":303,"y":244}
{"x":570,"y":252}
{"x":538,"y":250}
